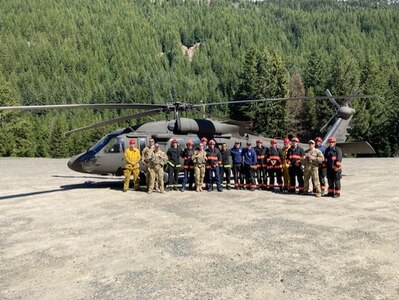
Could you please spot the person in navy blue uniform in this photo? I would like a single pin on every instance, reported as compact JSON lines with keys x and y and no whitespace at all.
{"x":236,"y":155}
{"x":188,"y":165}
{"x":322,"y":171}
{"x":249,"y":166}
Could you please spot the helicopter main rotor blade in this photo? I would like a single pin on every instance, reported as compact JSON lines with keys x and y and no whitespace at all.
{"x":281,"y":99}
{"x":332,"y":99}
{"x":115,"y":120}
{"x":83,"y":106}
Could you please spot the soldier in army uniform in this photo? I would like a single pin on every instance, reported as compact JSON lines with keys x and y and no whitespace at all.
{"x":199,"y":160}
{"x":145,"y":156}
{"x":310,"y":161}
{"x":155,"y":166}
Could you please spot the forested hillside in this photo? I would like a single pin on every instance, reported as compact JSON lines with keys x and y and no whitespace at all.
{"x":70,"y":51}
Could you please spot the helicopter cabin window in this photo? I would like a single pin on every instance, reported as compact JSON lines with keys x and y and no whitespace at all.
{"x":180,"y":142}
{"x":196,"y":141}
{"x":142,"y":143}
{"x":115,"y":145}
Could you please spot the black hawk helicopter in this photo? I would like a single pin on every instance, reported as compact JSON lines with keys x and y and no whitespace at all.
{"x":107,"y":155}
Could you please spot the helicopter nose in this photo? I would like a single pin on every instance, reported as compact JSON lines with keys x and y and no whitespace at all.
{"x":74,"y":164}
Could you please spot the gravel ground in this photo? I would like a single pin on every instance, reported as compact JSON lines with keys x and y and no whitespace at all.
{"x":65,"y":235}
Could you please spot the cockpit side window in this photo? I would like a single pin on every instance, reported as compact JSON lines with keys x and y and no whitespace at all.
{"x":196,"y":141}
{"x":181,"y":143}
{"x":115,"y":145}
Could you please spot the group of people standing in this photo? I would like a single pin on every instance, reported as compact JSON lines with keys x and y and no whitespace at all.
{"x":288,"y":169}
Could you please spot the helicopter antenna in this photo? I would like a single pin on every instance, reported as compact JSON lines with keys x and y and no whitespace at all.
{"x":176,"y":110}
{"x":203,"y":110}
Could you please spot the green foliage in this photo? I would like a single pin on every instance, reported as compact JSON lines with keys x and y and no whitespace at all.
{"x":54,"y":52}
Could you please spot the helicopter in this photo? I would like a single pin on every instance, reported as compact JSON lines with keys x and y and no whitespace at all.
{"x":107,"y":155}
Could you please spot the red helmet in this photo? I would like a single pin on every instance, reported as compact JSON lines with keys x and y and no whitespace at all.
{"x":132,"y":142}
{"x":331,"y":139}
{"x":204,"y":140}
{"x":318,"y":139}
{"x":189,"y":142}
{"x":295,"y":139}
{"x":273,"y":141}
{"x":212,"y":142}
{"x":286,"y":140}
{"x":259,"y":141}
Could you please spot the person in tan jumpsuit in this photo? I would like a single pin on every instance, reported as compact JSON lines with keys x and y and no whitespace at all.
{"x":132,"y":157}
{"x":286,"y":173}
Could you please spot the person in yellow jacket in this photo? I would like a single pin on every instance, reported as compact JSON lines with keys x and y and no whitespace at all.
{"x":132,"y":157}
{"x":286,"y":165}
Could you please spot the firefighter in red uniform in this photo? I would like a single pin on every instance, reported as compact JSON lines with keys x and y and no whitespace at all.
{"x":173,"y":164}
{"x":261,"y":175}
{"x":188,"y":166}
{"x":333,"y":165}
{"x":295,"y":154}
{"x":225,"y":167}
{"x":214,"y":159}
{"x":274,"y":165}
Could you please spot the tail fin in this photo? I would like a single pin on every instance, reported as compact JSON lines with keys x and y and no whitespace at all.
{"x":338,"y":126}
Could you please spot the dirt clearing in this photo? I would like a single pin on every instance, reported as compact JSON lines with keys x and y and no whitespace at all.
{"x":65,"y":235}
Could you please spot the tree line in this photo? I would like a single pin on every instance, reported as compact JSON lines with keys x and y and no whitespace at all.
{"x":58,"y":52}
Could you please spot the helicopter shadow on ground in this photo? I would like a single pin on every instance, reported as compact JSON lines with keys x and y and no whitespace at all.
{"x":84,"y":177}
{"x":113,"y":185}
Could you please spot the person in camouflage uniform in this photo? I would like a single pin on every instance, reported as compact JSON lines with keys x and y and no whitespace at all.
{"x":145,"y":156}
{"x":155,"y":166}
{"x":310,"y":160}
{"x":199,"y":160}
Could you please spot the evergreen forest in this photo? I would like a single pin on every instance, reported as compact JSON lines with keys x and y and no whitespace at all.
{"x":142,"y":51}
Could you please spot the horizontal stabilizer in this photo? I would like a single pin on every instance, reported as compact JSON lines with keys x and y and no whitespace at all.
{"x":356,"y":148}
